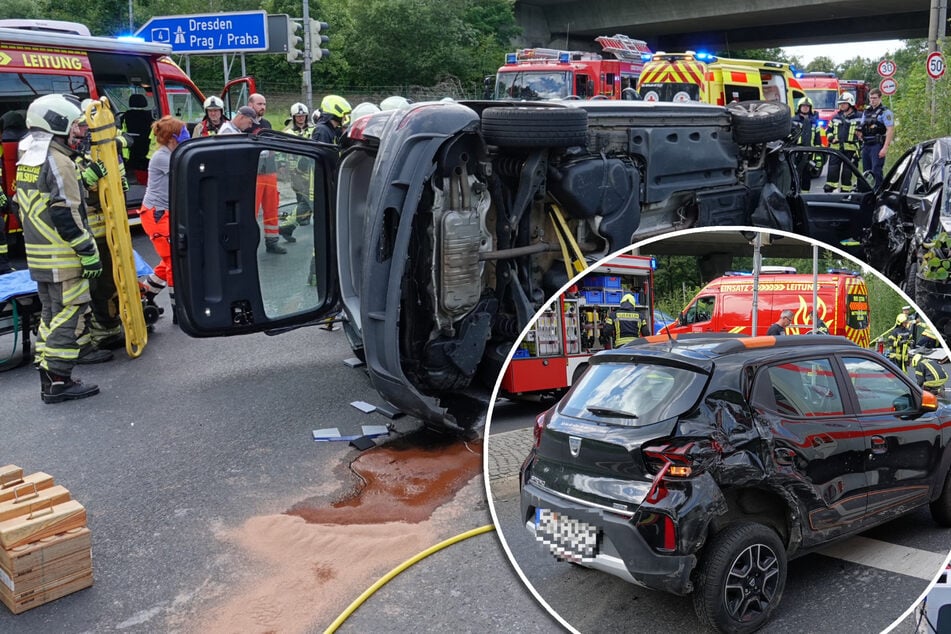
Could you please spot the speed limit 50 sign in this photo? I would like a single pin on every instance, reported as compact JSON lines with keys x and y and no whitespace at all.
{"x":935,"y":65}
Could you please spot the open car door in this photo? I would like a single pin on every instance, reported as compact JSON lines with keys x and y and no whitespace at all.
{"x":226,"y":282}
{"x":235,"y":94}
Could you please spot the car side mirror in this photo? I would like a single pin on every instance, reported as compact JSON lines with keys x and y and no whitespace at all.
{"x":929,"y":402}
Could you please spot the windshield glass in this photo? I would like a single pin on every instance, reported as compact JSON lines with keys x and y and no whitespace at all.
{"x":532,"y":85}
{"x":632,"y":394}
{"x":670,"y":91}
{"x":822,"y":98}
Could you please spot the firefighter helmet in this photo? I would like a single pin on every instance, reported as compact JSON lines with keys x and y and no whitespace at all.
{"x":336,"y":106}
{"x":54,"y":113}
{"x":362,"y":109}
{"x":629,"y":299}
{"x":805,"y":101}
{"x":846,"y":97}
{"x":394,"y":103}
{"x":902,"y":318}
{"x":299,"y":108}
{"x":213,"y":102}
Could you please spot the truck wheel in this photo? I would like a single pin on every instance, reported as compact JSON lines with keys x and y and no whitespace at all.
{"x":759,"y":121}
{"x":740,"y":579}
{"x":521,"y":127}
{"x":941,"y":508}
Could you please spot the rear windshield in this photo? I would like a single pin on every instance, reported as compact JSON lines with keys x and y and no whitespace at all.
{"x":633,"y":395}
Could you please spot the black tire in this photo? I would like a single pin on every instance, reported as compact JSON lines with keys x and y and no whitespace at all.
{"x":941,"y":507}
{"x":741,"y":578}
{"x":759,"y":121}
{"x":525,"y":127}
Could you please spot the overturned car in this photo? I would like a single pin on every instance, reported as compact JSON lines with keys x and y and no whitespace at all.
{"x":444,"y":227}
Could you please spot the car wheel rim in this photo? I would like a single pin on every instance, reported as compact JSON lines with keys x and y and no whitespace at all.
{"x":751,"y":583}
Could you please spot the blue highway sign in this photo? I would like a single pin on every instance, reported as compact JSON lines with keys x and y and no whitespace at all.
{"x":210,"y":33}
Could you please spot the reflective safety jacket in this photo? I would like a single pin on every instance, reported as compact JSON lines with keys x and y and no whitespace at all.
{"x":627,"y":327}
{"x":304,"y":132}
{"x":929,"y":373}
{"x":53,"y":209}
{"x":874,"y":122}
{"x":899,"y":341}
{"x":842,"y":129}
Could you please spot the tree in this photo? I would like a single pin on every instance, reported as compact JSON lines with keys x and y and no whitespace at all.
{"x":821,"y":64}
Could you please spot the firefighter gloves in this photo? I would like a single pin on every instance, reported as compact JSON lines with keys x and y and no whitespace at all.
{"x":92,"y":265}
{"x":93,"y":173}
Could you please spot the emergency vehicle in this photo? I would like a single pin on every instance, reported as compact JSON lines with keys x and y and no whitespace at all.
{"x":554,"y":350}
{"x":141,"y":81}
{"x":823,"y":89}
{"x":547,"y":73}
{"x":859,"y":90}
{"x":726,"y":304}
{"x":692,"y":76}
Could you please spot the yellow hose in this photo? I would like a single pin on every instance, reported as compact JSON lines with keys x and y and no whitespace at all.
{"x":382,"y":581}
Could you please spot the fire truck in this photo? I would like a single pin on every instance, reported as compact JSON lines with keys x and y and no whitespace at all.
{"x":859,"y":90}
{"x":693,"y":76}
{"x":547,"y":73}
{"x":823,"y":89}
{"x":554,"y":351}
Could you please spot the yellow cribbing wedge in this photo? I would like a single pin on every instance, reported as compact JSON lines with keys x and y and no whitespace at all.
{"x":102,"y":125}
{"x":574,"y":258}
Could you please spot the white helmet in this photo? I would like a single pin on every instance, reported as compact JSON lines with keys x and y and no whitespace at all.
{"x":394,"y":103}
{"x":214,"y":102}
{"x":299,"y":108}
{"x":362,"y":109}
{"x":846,"y":97}
{"x":54,"y":113}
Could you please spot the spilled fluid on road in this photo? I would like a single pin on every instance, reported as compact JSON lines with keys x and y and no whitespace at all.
{"x":405,"y":480}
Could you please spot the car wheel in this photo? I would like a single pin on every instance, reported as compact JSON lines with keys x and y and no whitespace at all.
{"x":522,"y":127}
{"x":740,"y":579}
{"x":941,"y":508}
{"x":759,"y":121}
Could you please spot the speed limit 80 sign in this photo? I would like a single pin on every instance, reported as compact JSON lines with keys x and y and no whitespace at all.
{"x":935,"y":65}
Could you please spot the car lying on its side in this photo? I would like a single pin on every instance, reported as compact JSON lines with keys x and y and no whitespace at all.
{"x":700,"y":465}
{"x":446,"y":226}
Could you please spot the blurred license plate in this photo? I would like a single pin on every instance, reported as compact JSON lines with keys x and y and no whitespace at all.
{"x":568,"y":539}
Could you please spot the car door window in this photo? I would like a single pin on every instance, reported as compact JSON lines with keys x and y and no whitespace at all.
{"x":919,"y":178}
{"x":700,"y":311}
{"x":878,"y":389}
{"x":804,"y":389}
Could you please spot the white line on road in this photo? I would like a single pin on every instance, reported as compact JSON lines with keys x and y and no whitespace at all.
{"x":873,"y":553}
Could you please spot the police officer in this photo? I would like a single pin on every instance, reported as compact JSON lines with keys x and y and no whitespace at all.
{"x":626,"y":321}
{"x":61,"y":252}
{"x":808,"y":120}
{"x":899,"y":341}
{"x":877,"y":129}
{"x":843,"y":136}
{"x":214,"y":117}
{"x":929,"y":371}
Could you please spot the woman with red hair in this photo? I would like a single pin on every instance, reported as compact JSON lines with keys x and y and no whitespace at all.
{"x":168,"y":132}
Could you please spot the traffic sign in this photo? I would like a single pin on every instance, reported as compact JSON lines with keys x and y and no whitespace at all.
{"x":212,"y":33}
{"x":887,"y":68}
{"x":935,"y":65}
{"x":888,"y":86}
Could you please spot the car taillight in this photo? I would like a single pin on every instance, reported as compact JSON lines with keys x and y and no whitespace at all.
{"x":355,"y":131}
{"x":658,"y":530}
{"x":667,"y":462}
{"x":541,"y":421}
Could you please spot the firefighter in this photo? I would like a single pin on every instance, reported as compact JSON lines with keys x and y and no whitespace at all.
{"x":876,"y":131}
{"x":843,"y":129}
{"x":395,"y":103}
{"x":298,"y":124}
{"x":334,"y":112}
{"x":899,"y":341}
{"x":61,"y":251}
{"x":626,"y":322}
{"x":928,"y":339}
{"x":362,"y":109}
{"x":808,"y":136}
{"x":12,"y":129}
{"x":214,"y":117}
{"x":929,"y":371}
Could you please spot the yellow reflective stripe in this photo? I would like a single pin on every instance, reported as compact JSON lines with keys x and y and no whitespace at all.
{"x":76,"y":291}
{"x":61,"y":353}
{"x":47,"y":249}
{"x":75,"y":242}
{"x":35,"y":263}
{"x":64,"y":315}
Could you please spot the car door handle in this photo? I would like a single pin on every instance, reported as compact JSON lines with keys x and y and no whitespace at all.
{"x":784,"y":456}
{"x":879,"y":445}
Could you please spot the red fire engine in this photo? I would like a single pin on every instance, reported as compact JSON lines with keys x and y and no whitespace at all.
{"x":554,"y":351}
{"x":547,"y":73}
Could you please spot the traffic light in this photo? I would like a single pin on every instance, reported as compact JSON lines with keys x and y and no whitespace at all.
{"x":295,"y":41}
{"x":318,"y":41}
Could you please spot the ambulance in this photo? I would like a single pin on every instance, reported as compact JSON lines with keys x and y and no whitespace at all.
{"x":726,"y":304}
{"x":141,"y":81}
{"x":691,"y":76}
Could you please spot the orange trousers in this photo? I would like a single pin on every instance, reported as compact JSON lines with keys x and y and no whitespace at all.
{"x":266,"y":195}
{"x":159,"y":232}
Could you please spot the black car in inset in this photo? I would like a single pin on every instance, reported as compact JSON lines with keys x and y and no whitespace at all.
{"x":701,"y":464}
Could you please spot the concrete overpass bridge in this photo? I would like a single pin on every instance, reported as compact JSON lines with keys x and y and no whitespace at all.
{"x":716,"y":25}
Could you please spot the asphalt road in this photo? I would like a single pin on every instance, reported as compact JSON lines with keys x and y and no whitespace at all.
{"x":853,"y":587}
{"x":198,"y":439}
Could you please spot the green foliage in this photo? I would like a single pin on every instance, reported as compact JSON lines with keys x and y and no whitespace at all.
{"x":936,"y":260}
{"x":884,"y":304}
{"x":821,"y":64}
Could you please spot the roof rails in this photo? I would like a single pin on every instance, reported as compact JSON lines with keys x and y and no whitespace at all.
{"x":50,"y":26}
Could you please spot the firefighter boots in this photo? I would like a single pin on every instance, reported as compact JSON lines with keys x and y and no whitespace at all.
{"x":271,"y":246}
{"x":55,"y":388}
{"x":92,"y":354}
{"x":287,"y":232}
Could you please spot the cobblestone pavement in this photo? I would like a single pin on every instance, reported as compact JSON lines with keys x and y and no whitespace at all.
{"x":505,"y":453}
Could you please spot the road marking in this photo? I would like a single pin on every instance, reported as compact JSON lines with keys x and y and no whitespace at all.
{"x":873,"y":553}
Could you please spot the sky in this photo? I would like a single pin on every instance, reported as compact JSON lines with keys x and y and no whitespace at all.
{"x":843,"y":52}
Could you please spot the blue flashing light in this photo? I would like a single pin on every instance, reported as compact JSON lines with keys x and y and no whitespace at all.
{"x":511,"y":58}
{"x":823,"y":123}
{"x":799,"y":74}
{"x":653,"y":263}
{"x":703,"y":55}
{"x":646,"y":57}
{"x":564,"y":57}
{"x":131,"y":38}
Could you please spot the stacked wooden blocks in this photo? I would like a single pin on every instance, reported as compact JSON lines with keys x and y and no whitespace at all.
{"x":44,"y":543}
